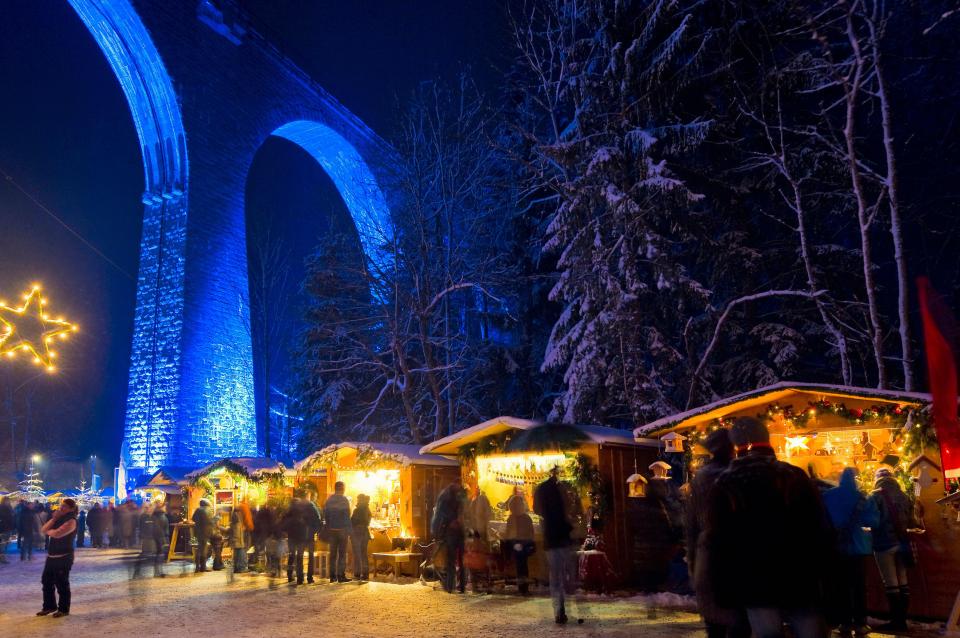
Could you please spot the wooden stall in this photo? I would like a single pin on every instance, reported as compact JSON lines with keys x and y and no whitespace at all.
{"x":167,"y":486}
{"x":402,"y":483}
{"x":824,"y":429}
{"x":596,"y":460}
{"x":224,"y":483}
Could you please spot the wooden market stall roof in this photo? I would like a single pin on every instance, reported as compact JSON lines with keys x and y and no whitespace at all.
{"x":450,"y":445}
{"x":253,"y":467}
{"x":399,"y":453}
{"x":770,"y":393}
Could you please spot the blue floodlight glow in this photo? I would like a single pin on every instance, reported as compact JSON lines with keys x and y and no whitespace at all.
{"x":150,"y":432}
{"x":190,"y":396}
{"x":352,"y":176}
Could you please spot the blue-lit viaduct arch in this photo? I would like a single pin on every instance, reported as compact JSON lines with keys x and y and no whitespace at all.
{"x":205,"y":91}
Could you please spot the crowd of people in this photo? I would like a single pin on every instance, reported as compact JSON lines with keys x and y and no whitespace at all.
{"x":766,"y":544}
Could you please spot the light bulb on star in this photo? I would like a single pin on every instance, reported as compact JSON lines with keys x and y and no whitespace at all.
{"x":30,"y":330}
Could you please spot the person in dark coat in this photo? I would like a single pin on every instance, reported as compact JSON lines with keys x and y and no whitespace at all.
{"x":8,"y":525}
{"x":148,"y":541}
{"x":550,"y":504}
{"x":721,"y":622}
{"x":60,"y":529}
{"x":891,"y":544}
{"x":336,"y":514}
{"x":161,"y":534}
{"x":129,"y":519}
{"x":81,"y":527}
{"x":314,"y":520}
{"x":26,"y":526}
{"x":360,"y":537}
{"x":95,"y":523}
{"x":264,"y":525}
{"x":447,"y":526}
{"x":295,"y":526}
{"x":202,"y":530}
{"x":767,"y":541}
{"x":850,"y":512}
{"x":111,"y":525}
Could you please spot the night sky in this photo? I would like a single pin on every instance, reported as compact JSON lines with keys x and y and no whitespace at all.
{"x":66,"y":137}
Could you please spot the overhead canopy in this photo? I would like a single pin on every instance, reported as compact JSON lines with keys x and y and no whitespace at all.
{"x":450,"y":445}
{"x":771,"y":393}
{"x":252,"y":467}
{"x":389,"y":453}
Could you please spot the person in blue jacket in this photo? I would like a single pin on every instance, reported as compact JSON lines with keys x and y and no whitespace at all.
{"x":852,"y":515}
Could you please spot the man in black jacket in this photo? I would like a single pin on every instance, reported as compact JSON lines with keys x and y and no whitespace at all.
{"x":202,"y":528}
{"x":767,"y":541}
{"x":61,"y":529}
{"x":549,"y":503}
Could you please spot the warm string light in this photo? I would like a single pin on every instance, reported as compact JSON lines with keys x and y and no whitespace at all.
{"x":12,"y":340}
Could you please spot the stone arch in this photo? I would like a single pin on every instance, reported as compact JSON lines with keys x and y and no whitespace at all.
{"x":136,"y":63}
{"x":353,"y":177}
{"x":152,"y":411}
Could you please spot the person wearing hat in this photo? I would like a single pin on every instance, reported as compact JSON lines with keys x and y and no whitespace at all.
{"x":720,"y":621}
{"x":891,"y":544}
{"x":767,"y":541}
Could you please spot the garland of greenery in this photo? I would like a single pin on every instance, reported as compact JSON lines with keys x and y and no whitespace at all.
{"x":896,"y":415}
{"x":493,"y":444}
{"x":236,"y":471}
{"x":368,"y":458}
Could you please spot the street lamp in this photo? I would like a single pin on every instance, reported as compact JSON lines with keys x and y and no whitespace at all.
{"x":36,"y":458}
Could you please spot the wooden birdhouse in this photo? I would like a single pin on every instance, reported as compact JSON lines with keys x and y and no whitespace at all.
{"x":661,"y":470}
{"x":636,"y":486}
{"x":673,"y":442}
{"x":926,"y":474}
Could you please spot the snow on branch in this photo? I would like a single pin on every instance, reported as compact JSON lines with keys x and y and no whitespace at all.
{"x":739,"y":301}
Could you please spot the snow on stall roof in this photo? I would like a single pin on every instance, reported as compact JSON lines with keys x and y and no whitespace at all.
{"x":254,"y":466}
{"x":406,"y":454}
{"x":782,"y":389}
{"x":451,"y":444}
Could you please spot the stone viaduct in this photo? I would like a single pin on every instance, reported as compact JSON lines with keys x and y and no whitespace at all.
{"x":205,"y":91}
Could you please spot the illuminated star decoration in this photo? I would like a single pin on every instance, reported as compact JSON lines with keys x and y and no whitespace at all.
{"x":796,"y":443}
{"x":29,"y":330}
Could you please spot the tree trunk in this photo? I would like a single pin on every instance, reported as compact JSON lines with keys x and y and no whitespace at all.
{"x":896,"y":225}
{"x":863,"y":216}
{"x":840,"y":339}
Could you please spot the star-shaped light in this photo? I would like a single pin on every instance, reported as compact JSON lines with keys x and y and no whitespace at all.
{"x":30,"y":331}
{"x":796,"y":443}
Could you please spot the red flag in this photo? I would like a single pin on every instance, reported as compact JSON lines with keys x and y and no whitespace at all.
{"x":939,"y":328}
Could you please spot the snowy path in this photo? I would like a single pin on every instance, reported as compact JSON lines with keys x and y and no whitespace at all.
{"x":106,"y":604}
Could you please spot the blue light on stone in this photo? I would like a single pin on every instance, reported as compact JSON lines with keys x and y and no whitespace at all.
{"x":190,"y":397}
{"x":352,"y":177}
{"x":153,"y":389}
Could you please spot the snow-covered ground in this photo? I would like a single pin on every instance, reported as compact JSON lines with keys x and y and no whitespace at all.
{"x":107,"y":603}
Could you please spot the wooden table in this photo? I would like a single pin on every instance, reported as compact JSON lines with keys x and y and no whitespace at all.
{"x":396,"y":560}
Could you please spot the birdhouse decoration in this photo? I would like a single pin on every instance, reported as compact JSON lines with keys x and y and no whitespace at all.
{"x":672,"y":442}
{"x":636,"y":486}
{"x":661,"y":470}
